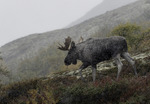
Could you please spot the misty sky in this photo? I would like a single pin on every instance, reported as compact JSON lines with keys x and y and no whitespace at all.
{"x":19,"y":18}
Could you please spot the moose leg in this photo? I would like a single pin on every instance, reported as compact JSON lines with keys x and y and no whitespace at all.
{"x":127,"y":57}
{"x":94,"y":72}
{"x":119,"y":65}
{"x":83,"y":66}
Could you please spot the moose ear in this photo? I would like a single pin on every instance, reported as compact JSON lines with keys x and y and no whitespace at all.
{"x":73,"y":44}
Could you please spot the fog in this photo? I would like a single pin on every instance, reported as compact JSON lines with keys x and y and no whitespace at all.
{"x":19,"y":18}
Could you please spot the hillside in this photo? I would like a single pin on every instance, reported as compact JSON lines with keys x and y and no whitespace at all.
{"x":21,"y":49}
{"x":39,"y":75}
{"x":105,"y":6}
{"x":66,"y":88}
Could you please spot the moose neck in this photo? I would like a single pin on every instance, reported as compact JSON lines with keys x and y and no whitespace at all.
{"x":78,"y":53}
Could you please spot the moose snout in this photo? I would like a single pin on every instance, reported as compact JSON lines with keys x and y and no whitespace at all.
{"x":67,"y":62}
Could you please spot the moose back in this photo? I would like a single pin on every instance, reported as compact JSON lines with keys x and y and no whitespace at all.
{"x":92,"y":51}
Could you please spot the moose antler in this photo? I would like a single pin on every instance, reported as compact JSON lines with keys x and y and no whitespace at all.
{"x":80,"y":40}
{"x":66,"y":43}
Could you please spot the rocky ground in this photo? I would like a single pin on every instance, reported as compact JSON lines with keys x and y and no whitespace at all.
{"x":106,"y":65}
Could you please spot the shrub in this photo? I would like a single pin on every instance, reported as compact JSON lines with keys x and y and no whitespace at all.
{"x":131,"y":32}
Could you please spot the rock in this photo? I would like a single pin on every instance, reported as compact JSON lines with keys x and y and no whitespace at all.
{"x":84,"y":76}
{"x":70,"y":73}
{"x":76,"y":72}
{"x":78,"y":77}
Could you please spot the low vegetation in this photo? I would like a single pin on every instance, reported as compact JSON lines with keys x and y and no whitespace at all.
{"x":4,"y":73}
{"x":69,"y":90}
{"x":129,"y":89}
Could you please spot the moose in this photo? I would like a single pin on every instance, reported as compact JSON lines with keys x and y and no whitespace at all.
{"x":95,"y":50}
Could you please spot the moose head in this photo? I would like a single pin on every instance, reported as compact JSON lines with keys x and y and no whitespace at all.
{"x":72,"y":55}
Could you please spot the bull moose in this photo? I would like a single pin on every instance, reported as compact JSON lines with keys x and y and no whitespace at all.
{"x":95,"y":50}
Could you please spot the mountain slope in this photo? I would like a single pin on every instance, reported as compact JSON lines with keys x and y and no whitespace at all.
{"x":65,"y":88}
{"x":29,"y":46}
{"x":106,"y":5}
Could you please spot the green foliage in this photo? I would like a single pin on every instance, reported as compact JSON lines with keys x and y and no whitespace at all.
{"x":94,"y":94}
{"x":142,"y":99}
{"x":131,"y":32}
{"x":126,"y":30}
{"x":28,"y":92}
{"x":145,"y":42}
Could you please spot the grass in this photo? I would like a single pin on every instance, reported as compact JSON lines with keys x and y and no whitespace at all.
{"x":69,"y":90}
